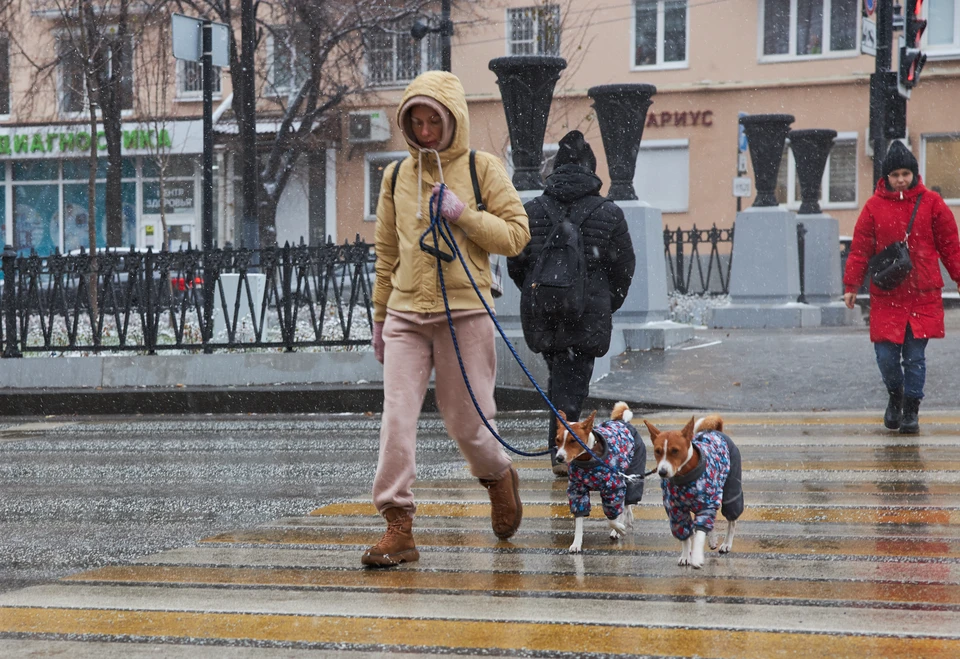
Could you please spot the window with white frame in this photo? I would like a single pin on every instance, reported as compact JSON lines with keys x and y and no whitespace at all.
{"x":190,"y":79}
{"x":942,"y":35}
{"x":662,"y":177}
{"x":288,"y":60}
{"x":376,"y":163}
{"x":941,"y":165}
{"x":393,"y":57}
{"x":660,"y":33}
{"x":808,"y":28}
{"x":838,"y":189}
{"x":4,"y":74}
{"x":534,"y":30}
{"x":73,"y":88}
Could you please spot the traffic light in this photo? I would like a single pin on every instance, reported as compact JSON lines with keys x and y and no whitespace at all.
{"x":911,"y":59}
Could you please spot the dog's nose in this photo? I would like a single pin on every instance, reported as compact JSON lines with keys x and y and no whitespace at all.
{"x":662,"y":472}
{"x":561,"y":458}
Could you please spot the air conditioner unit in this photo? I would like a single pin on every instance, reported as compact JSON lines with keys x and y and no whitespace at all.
{"x":369,"y":126}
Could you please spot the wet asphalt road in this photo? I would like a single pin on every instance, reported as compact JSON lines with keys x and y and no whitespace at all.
{"x":242,"y":538}
{"x":80,"y":494}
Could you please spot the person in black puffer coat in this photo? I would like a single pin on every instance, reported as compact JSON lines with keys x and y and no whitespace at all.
{"x":571,"y":346}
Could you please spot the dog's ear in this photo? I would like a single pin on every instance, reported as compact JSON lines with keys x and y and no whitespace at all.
{"x":687,"y":431}
{"x":588,"y":422}
{"x":562,"y":415}
{"x":652,"y":429}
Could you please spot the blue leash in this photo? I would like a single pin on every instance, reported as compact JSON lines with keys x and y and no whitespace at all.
{"x":438,"y":225}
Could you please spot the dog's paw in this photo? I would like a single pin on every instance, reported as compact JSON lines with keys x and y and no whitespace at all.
{"x":576,"y":548}
{"x":684,"y":560}
{"x":616,"y":534}
{"x":696,"y":565}
{"x":726,"y":547}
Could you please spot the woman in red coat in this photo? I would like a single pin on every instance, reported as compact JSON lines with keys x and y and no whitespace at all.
{"x":903,"y":319}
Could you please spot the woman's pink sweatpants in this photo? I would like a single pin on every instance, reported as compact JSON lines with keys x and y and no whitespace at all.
{"x":414,"y":345}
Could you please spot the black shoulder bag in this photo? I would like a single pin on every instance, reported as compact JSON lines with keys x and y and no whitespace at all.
{"x":890,"y":267}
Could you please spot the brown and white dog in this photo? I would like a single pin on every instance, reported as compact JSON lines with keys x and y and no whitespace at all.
{"x":701,"y":471}
{"x":618,"y":445}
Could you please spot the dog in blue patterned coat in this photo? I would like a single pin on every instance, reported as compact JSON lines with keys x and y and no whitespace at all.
{"x":701,"y":474}
{"x":617,"y":475}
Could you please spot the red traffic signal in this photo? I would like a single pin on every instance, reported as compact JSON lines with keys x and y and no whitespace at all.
{"x":913,"y":24}
{"x":908,"y":73}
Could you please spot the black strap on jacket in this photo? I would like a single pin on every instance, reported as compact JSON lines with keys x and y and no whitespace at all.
{"x":473,"y":177}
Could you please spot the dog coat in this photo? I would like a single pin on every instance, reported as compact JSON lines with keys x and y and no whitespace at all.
{"x":692,"y":500}
{"x":623,"y":452}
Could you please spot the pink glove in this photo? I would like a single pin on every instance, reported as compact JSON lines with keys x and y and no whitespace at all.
{"x":378,"y":341}
{"x":452,"y":207}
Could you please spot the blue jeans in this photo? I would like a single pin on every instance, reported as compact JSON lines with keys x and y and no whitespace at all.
{"x":913,"y":372}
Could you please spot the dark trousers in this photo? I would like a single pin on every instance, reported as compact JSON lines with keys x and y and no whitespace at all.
{"x":903,"y":366}
{"x":568,"y":386}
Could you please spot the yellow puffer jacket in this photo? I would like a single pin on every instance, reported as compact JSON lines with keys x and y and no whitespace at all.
{"x":406,"y":276}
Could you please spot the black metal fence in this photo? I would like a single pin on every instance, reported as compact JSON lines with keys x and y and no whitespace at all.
{"x":714,"y":278}
{"x":143,"y":301}
{"x":681,"y":249}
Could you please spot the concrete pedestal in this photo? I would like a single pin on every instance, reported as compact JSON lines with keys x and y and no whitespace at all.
{"x":823,"y":280}
{"x":765,"y":276}
{"x":643,"y":317}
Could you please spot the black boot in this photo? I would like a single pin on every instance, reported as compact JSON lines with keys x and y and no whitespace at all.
{"x":910,"y":424}
{"x":891,"y":418}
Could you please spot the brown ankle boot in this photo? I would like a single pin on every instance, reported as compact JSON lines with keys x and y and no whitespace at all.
{"x":396,"y":546}
{"x":506,"y":510}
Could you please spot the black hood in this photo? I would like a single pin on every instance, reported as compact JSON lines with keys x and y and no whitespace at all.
{"x":568,"y":183}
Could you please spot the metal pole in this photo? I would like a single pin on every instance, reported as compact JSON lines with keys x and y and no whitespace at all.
{"x":250,"y":235}
{"x":207,"y":201}
{"x":878,"y":85}
{"x":446,"y":31}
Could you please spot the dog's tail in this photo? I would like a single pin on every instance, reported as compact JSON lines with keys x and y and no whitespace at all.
{"x":709,"y":422}
{"x":621,"y":412}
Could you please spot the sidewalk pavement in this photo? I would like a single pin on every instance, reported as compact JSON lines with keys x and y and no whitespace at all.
{"x":793,"y":370}
{"x":815,"y":369}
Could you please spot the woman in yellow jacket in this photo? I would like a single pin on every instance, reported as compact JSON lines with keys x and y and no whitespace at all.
{"x":411,"y":336}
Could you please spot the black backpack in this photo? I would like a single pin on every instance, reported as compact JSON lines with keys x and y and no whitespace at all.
{"x":555,"y":289}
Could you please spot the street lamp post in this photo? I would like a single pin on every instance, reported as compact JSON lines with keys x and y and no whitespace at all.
{"x":445,"y":30}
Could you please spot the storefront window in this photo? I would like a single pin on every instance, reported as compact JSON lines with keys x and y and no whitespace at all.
{"x":79,"y":170}
{"x":36,"y":222}
{"x":36,"y":170}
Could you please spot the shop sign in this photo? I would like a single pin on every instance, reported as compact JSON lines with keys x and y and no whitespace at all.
{"x":178,"y":197}
{"x":70,"y":141}
{"x":680,"y":119}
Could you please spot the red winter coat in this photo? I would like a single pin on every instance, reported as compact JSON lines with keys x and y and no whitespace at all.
{"x":918,"y":301}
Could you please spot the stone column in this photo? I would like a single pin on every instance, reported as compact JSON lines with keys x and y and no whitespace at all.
{"x":823,"y":281}
{"x":526,"y":89}
{"x":765,"y":274}
{"x":641,"y":324}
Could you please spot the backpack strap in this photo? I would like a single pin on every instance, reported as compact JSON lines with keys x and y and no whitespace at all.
{"x":394,"y":174}
{"x":476,"y":181}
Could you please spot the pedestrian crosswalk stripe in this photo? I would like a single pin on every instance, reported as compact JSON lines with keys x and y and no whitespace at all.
{"x":596,"y":538}
{"x":773,"y":513}
{"x":437,"y":634}
{"x":819,"y":590}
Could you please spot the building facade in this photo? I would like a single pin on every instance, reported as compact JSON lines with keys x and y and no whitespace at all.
{"x":710,"y":62}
